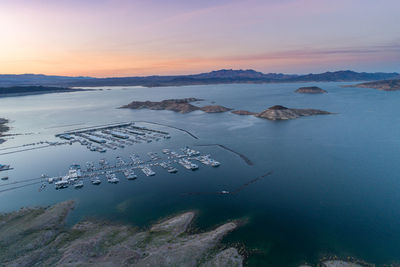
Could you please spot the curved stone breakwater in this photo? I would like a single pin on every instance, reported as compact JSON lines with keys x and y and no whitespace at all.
{"x":3,"y":128}
{"x":172,"y":127}
{"x":235,"y":191}
{"x":246,"y":159}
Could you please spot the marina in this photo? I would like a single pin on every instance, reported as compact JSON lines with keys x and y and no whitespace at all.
{"x":167,"y":161}
{"x":101,"y":138}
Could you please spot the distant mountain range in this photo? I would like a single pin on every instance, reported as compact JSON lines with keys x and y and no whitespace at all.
{"x":214,"y":77}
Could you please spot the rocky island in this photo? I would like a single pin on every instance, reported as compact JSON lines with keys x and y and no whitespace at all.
{"x":3,"y":128}
{"x":38,"y":236}
{"x":310,"y":90}
{"x":184,"y":106}
{"x":178,"y":105}
{"x":283,"y":113}
{"x":385,"y":85}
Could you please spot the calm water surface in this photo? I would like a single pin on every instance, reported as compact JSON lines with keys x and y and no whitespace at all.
{"x":335,"y":189}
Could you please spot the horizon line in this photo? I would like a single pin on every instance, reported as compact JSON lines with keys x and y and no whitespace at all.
{"x":166,"y":75}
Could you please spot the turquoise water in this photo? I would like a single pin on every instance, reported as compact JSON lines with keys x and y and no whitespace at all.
{"x":334,"y":190}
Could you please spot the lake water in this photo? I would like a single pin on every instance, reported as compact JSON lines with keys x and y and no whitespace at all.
{"x":335,"y":188}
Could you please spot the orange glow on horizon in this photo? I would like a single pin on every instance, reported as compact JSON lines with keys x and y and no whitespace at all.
{"x":136,"y":38}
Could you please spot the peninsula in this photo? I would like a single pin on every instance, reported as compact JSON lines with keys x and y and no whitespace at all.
{"x":3,"y":128}
{"x":385,"y":85}
{"x":178,"y":105}
{"x":33,"y":90}
{"x":310,"y":90}
{"x":38,"y":236}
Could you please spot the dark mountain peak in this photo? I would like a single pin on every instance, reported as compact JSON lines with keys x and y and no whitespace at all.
{"x":223,"y":76}
{"x":230,"y":73}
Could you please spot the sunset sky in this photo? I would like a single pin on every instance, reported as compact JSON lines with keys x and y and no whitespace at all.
{"x":121,"y":38}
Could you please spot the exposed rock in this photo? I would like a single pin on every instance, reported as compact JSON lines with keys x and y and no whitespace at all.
{"x":226,"y":258}
{"x":177,"y":105}
{"x":243,"y":112}
{"x":310,"y":90}
{"x":386,"y":85}
{"x":340,"y":263}
{"x":215,"y":109}
{"x":37,"y":236}
{"x":283,"y":113}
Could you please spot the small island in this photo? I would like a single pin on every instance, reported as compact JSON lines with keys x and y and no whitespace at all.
{"x":38,"y":236}
{"x":178,"y":105}
{"x":311,"y":90}
{"x":385,"y":85}
{"x":3,"y":128}
{"x":278,"y":112}
{"x":283,"y":113}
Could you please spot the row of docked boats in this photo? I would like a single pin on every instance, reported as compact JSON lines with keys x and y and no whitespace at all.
{"x":207,"y":160}
{"x":188,"y":164}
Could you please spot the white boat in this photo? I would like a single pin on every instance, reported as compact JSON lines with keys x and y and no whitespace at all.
{"x":172,"y":170}
{"x":215,"y":163}
{"x":61,"y":184}
{"x":188,"y":165}
{"x":147,"y":171}
{"x":224,"y":192}
{"x":103,"y":162}
{"x":78,"y":185}
{"x":74,"y":171}
{"x":112,"y":179}
{"x":96,"y":181}
{"x":190,"y":152}
{"x":4,"y":167}
{"x":101,"y":149}
{"x":130,"y":175}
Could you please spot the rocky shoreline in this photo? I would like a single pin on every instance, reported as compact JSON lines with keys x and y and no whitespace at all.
{"x":38,"y":236}
{"x":3,"y":128}
{"x":385,"y":85}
